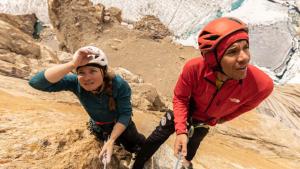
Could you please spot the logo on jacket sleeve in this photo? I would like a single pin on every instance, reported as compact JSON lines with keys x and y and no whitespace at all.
{"x":163,"y":121}
{"x":234,"y":100}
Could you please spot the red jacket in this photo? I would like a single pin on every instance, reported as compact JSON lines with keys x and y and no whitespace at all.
{"x":197,"y":83}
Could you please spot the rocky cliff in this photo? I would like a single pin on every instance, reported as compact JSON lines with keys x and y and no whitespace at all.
{"x":48,"y":130}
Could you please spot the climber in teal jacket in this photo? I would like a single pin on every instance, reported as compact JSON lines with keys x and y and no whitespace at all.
{"x":104,"y":95}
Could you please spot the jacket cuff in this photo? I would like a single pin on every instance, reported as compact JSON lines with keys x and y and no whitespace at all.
{"x":181,"y":132}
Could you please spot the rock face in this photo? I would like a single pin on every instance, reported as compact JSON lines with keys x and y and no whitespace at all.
{"x":144,"y":95}
{"x":79,"y":23}
{"x":51,"y":133}
{"x":152,"y":27}
{"x":113,"y":14}
{"x":52,"y":140}
{"x":23,"y":22}
{"x":284,"y":105}
{"x":75,"y":22}
{"x":48,"y":130}
{"x":20,"y":55}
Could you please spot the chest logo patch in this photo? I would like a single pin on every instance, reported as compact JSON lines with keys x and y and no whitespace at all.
{"x":234,"y":100}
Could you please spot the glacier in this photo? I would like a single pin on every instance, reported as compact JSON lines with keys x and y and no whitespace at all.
{"x":274,"y":25}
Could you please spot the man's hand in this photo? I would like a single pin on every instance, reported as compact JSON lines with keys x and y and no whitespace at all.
{"x":180,"y":145}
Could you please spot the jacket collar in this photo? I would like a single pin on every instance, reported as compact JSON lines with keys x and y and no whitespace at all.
{"x":211,"y":77}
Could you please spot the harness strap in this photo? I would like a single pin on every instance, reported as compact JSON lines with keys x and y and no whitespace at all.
{"x":102,"y":123}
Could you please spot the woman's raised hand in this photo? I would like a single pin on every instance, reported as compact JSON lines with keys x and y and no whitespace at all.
{"x":83,"y":55}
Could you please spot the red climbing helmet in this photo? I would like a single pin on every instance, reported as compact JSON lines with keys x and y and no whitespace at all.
{"x":221,"y":32}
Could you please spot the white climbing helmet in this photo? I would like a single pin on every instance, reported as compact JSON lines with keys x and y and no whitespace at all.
{"x":98,"y":56}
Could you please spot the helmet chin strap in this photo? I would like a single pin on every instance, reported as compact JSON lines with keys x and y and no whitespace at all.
{"x":226,"y":76}
{"x":219,"y":67}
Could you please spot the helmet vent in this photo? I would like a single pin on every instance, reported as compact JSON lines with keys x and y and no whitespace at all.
{"x":212,"y":37}
{"x":206,"y":46}
{"x":96,"y":56}
{"x":204,"y":33}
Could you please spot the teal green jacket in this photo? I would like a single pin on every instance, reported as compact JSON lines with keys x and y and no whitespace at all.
{"x":95,"y":105}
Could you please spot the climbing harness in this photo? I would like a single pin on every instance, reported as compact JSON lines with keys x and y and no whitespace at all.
{"x":194,"y":126}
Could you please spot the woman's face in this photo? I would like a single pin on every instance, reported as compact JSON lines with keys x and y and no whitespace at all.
{"x":236,"y":59}
{"x":90,"y":77}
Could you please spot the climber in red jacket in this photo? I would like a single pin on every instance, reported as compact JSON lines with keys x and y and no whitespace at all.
{"x":211,"y":89}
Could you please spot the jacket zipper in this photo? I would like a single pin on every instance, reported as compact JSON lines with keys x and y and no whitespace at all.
{"x":212,"y":99}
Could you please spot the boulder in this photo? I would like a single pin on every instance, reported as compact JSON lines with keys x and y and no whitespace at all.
{"x":77,"y":23}
{"x":114,"y":13}
{"x":20,"y":55}
{"x":23,"y":22}
{"x":144,"y":95}
{"x":152,"y":27}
